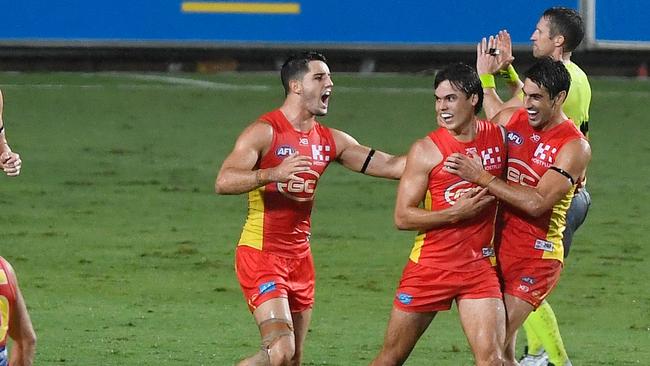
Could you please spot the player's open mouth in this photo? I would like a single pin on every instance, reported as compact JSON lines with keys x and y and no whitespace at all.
{"x":446,"y":116}
{"x":326,"y":96}
{"x":532,"y":113}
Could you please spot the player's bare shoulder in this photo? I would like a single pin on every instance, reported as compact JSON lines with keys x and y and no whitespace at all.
{"x":258,"y":135}
{"x":424,"y":153}
{"x":343,"y":140}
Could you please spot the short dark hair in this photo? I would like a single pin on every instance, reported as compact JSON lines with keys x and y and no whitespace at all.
{"x":568,"y":23}
{"x":297,"y":65}
{"x":462,"y":77}
{"x":551,"y":75}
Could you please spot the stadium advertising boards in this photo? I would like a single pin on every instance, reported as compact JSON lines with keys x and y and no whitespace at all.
{"x":362,"y":23}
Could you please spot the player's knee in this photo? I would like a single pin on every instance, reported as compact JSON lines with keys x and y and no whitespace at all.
{"x":489,"y":355}
{"x":278,"y":341}
{"x":493,"y":360}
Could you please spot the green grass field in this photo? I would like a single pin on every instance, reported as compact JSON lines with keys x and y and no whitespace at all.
{"x":125,"y":254}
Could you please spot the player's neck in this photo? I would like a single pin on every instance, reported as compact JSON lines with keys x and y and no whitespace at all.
{"x":298,"y":117}
{"x":556,"y":119}
{"x":466,"y":132}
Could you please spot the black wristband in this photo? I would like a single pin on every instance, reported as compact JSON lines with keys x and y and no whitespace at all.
{"x":2,"y":128}
{"x":564,"y":173}
{"x":365,"y":163}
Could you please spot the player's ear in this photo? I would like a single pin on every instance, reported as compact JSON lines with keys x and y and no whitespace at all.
{"x":295,"y":86}
{"x":558,"y":40}
{"x":474,"y":99}
{"x":561,"y":97}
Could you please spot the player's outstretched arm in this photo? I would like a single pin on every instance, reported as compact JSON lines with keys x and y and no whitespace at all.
{"x":9,"y":161}
{"x":238,"y":174}
{"x":569,"y":166}
{"x":21,"y":330}
{"x":422,"y":158}
{"x":366,"y":160}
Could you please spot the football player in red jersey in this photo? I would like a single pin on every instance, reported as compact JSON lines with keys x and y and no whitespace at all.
{"x":14,"y":321}
{"x":547,"y":156}
{"x":278,"y":161}
{"x":452,"y":257}
{"x":558,"y":33}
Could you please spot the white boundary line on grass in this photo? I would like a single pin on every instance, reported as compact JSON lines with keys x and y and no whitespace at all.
{"x":189,"y":83}
{"x":193,"y":82}
{"x":225,"y":86}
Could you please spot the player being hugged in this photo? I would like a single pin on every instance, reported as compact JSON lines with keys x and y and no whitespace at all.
{"x":452,"y":258}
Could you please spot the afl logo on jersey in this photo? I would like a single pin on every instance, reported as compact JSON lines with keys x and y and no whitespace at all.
{"x":515,"y":138}
{"x":284,"y":150}
{"x":300,"y":190}
{"x":453,"y":192}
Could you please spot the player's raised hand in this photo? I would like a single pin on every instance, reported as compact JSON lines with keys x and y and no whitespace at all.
{"x":290,"y":167}
{"x":486,"y":56}
{"x":470,"y":203}
{"x":504,"y":45}
{"x":11,"y":163}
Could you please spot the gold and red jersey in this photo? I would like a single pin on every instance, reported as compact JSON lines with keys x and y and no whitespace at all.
{"x":7,"y":301}
{"x":466,"y":245}
{"x":530,"y":154}
{"x":279,"y":213}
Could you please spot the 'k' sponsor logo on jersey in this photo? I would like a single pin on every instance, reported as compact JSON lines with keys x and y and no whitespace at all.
{"x":491,"y":158}
{"x":544,"y":154}
{"x":320,"y":153}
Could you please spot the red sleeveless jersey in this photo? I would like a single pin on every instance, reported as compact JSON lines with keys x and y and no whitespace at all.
{"x":279,"y":214}
{"x":530,"y":154}
{"x":7,"y":301}
{"x":466,"y":245}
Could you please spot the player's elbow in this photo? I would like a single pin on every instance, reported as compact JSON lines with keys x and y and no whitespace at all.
{"x":221,"y":185}
{"x":30,"y":340}
{"x":401,"y":221}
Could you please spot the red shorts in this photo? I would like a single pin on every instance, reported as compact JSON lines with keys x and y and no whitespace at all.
{"x":530,"y":279}
{"x":263,"y":276}
{"x":425,"y":289}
